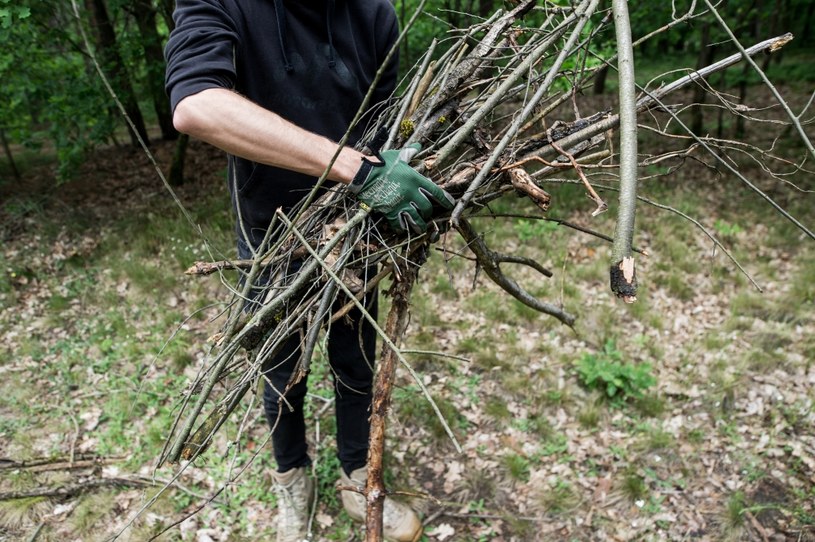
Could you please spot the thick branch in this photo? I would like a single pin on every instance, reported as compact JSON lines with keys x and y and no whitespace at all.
{"x":73,"y":490}
{"x":383,"y":386}
{"x":623,"y":274}
{"x":490,"y":261}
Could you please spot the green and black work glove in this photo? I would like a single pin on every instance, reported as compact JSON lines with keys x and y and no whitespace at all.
{"x":397,"y":191}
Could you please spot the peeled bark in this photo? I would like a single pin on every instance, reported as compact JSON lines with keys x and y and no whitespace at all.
{"x":375,"y":491}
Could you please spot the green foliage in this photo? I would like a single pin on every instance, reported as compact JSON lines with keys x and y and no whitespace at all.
{"x":607,"y":372}
{"x":634,"y":486}
{"x":52,"y":96}
{"x":11,"y":11}
{"x":517,"y":466}
{"x":559,"y":498}
{"x":47,"y":88}
{"x":534,"y":230}
{"x":736,"y":505}
{"x":725,"y":229}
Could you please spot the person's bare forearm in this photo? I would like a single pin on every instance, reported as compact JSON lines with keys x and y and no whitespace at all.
{"x":233,"y":123}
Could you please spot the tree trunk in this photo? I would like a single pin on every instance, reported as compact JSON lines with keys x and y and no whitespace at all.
{"x":165,"y":9}
{"x":775,"y":19}
{"x":145,"y":16}
{"x":806,"y":29}
{"x":406,"y":55}
{"x":485,"y":8}
{"x":14,"y":171}
{"x":753,"y":29}
{"x":700,"y":92}
{"x":600,"y":80}
{"x":179,"y":156}
{"x":113,"y":65}
{"x":720,"y":127}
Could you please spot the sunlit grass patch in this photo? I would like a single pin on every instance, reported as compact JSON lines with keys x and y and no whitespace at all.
{"x":17,"y":513}
{"x":497,"y":409}
{"x":749,"y":304}
{"x":483,"y":354}
{"x":490,"y":304}
{"x":657,"y":439}
{"x":443,"y":287}
{"x":734,"y":513}
{"x":802,"y":290}
{"x":520,"y":528}
{"x":536,"y":425}
{"x":678,"y":286}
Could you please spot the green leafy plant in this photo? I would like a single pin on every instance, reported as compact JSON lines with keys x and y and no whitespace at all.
{"x":606,"y":371}
{"x":725,"y":229}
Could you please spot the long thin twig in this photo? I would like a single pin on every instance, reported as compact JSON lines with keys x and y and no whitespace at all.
{"x":795,"y":119}
{"x":581,"y":15}
{"x":388,"y":341}
{"x":71,"y":490}
{"x":375,"y":491}
{"x":653,"y":98}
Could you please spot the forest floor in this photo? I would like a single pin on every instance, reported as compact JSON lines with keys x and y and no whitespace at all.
{"x":101,"y":331}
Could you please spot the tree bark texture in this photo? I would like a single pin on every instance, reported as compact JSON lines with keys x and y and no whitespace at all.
{"x":176,"y":177}
{"x":113,"y":64}
{"x":9,"y":156}
{"x":375,"y":491}
{"x":145,"y":16}
{"x":700,"y":92}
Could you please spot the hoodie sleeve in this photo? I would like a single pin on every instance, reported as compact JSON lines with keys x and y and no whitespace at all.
{"x":201,"y":49}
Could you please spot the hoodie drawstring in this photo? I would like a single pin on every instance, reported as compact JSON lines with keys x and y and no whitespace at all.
{"x":280,"y":16}
{"x":328,"y":16}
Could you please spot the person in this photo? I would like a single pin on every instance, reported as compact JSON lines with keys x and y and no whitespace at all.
{"x":275,"y":84}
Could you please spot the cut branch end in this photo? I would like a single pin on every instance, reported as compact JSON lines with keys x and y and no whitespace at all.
{"x":623,"y":277}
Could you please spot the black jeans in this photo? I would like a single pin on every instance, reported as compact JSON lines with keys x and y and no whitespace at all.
{"x":351,"y":346}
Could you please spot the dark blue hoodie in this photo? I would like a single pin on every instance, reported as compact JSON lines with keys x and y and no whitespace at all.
{"x":309,"y":61}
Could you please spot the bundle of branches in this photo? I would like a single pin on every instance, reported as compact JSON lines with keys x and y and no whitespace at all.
{"x":316,"y":262}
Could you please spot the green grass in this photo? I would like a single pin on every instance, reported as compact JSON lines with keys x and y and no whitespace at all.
{"x":633,"y":486}
{"x":414,"y":409}
{"x":15,"y":513}
{"x":517,"y":466}
{"x":650,"y":405}
{"x":497,"y":409}
{"x":590,"y":414}
{"x":736,"y":506}
{"x":559,"y":498}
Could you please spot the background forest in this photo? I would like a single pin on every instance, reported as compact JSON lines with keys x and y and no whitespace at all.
{"x":687,"y":415}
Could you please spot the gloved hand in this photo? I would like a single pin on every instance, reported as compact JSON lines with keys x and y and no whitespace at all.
{"x":399,"y":192}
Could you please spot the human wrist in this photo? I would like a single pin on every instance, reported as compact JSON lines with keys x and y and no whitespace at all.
{"x":347,"y":165}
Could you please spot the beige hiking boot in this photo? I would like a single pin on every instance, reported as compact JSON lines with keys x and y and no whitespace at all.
{"x":295,"y":495}
{"x":399,"y":522}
